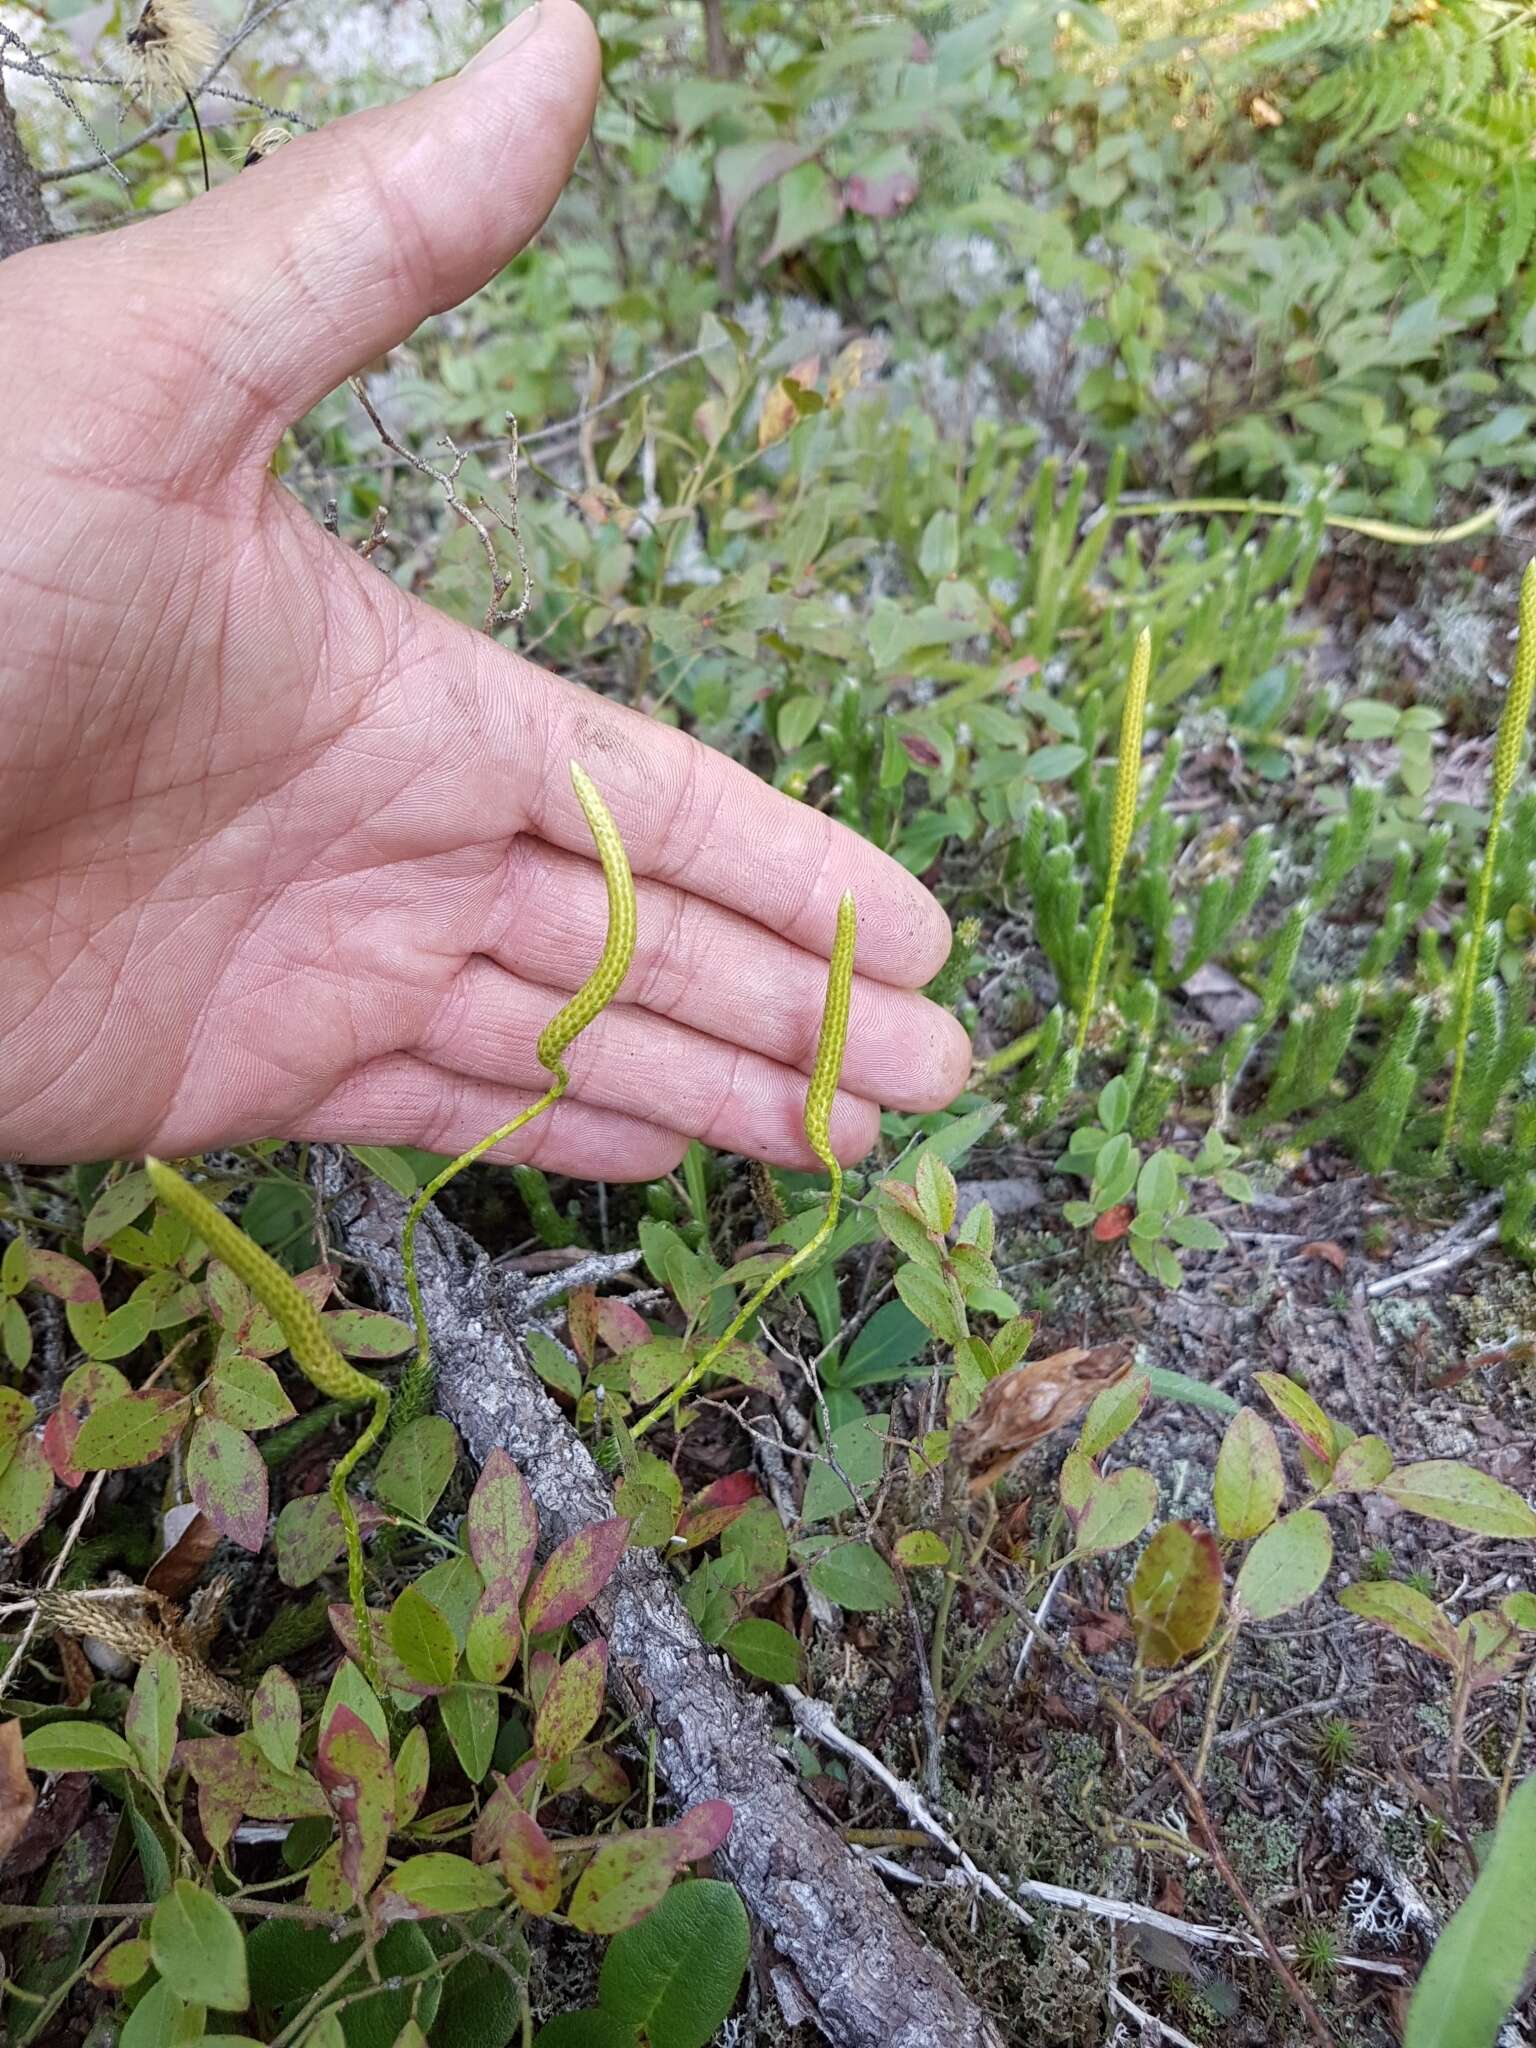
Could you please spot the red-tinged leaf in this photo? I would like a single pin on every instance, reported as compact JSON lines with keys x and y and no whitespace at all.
{"x":63,"y":1278}
{"x":922,"y":753}
{"x":1175,"y":1593}
{"x":392,"y":1673}
{"x":18,"y":1794}
{"x":581,"y":1319}
{"x":353,"y":1767}
{"x":714,"y":1510}
{"x":132,"y":1430}
{"x":495,"y":1632}
{"x":319,"y":1283}
{"x":575,"y":1572}
{"x":747,"y":1365}
{"x":1325,"y":1249}
{"x":428,"y":1887}
{"x":528,"y":1863}
{"x":572,"y":1703}
{"x":703,"y":1828}
{"x":1302,"y":1413}
{"x":621,"y":1327}
{"x":624,"y":1880}
{"x":17,"y":1415}
{"x":542,"y":1666}
{"x":1408,"y":1613}
{"x":887,"y":187}
{"x":227,"y":1477}
{"x":1492,"y":1642}
{"x":234,"y":1779}
{"x":26,"y":1488}
{"x":1113,"y":1224}
{"x":656,"y":1366}
{"x":59,"y":1433}
{"x":501,"y":1525}
{"x":491,"y":1825}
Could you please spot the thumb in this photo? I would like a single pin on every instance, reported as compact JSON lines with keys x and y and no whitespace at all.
{"x":324,"y":255}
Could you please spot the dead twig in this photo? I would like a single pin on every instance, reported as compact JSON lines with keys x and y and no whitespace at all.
{"x":447,"y":481}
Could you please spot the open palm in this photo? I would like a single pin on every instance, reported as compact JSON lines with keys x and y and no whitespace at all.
{"x":284,"y":852}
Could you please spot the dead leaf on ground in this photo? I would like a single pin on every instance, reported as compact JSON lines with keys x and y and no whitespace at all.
{"x":191,"y":1540}
{"x":18,"y":1794}
{"x":1325,"y":1249}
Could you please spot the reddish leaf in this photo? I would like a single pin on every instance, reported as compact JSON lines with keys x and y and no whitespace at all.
{"x":1175,"y":1594}
{"x":572,"y":1703}
{"x":1325,"y":1249}
{"x":59,"y":1433}
{"x":501,"y":1524}
{"x":703,"y":1828}
{"x":491,"y":1826}
{"x":922,"y":753}
{"x":234,"y":1779}
{"x":1113,"y":1224}
{"x":624,"y":1880}
{"x":882,"y":193}
{"x":495,"y":1632}
{"x":63,"y":1278}
{"x":227,"y":1478}
{"x":246,"y":1394}
{"x":354,"y":1768}
{"x":575,"y":1573}
{"x":309,"y":1539}
{"x":620,"y":1326}
{"x":528,"y":1863}
{"x":714,"y":1510}
{"x":581,"y":1317}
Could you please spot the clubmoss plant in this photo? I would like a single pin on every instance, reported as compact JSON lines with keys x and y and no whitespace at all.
{"x":1506,"y":760}
{"x":558,"y":1035}
{"x":819,"y":1098}
{"x":301,"y":1324}
{"x":1122,"y":817}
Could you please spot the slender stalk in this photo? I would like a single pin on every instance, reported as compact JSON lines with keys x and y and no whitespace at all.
{"x":1122,"y":817}
{"x":1506,"y":760}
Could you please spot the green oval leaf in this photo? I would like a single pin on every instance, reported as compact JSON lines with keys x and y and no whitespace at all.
{"x":198,"y":1948}
{"x":1447,"y":1491}
{"x":426,"y":1887}
{"x":625,"y":1879}
{"x":417,"y":1465}
{"x":1285,"y":1567}
{"x":77,"y":1746}
{"x":1250,"y":1477}
{"x":133,"y":1430}
{"x":421,"y":1637}
{"x":677,"y":1974}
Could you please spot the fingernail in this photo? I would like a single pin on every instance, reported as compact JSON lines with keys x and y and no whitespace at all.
{"x":509,"y":39}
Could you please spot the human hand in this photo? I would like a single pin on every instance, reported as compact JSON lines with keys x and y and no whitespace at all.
{"x":283,"y":851}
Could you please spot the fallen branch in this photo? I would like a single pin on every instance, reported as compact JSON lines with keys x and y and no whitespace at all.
{"x":865,"y":1974}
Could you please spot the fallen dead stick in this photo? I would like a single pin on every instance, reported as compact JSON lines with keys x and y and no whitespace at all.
{"x":862,"y":1972}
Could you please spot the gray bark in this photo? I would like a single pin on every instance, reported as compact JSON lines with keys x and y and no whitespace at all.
{"x":844,"y":1945}
{"x":24,"y":219}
